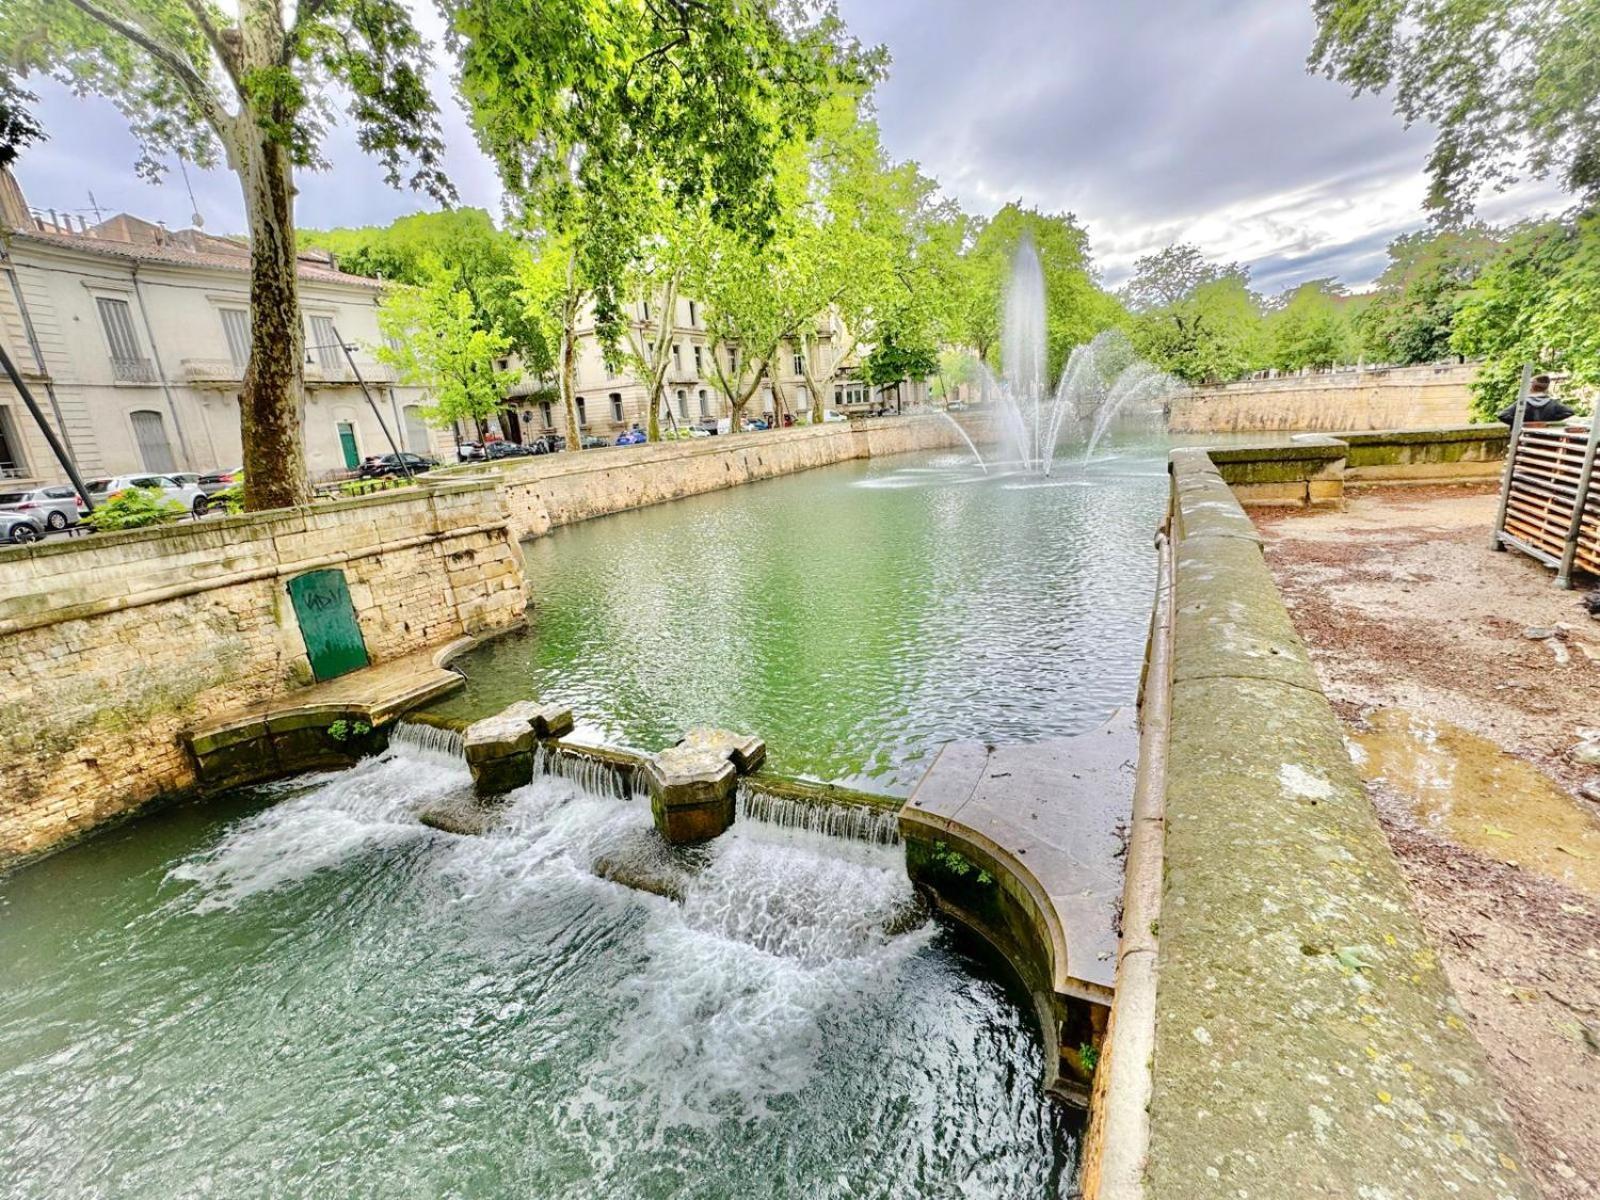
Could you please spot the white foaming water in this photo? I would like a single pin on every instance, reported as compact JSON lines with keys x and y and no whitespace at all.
{"x":781,"y":936}
{"x":856,"y":822}
{"x":431,"y":741}
{"x":334,"y":817}
{"x":320,"y":1010}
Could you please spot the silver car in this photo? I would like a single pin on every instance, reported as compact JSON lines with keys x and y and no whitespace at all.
{"x":56,"y":506}
{"x":188,"y":495}
{"x":20,"y":526}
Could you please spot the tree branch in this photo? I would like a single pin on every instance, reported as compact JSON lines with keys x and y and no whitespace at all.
{"x":198,"y":87}
{"x":226,"y":53}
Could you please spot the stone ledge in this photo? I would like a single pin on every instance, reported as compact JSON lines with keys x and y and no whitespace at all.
{"x":1306,"y":1040}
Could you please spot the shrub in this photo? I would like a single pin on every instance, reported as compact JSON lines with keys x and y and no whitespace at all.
{"x":366,"y":487}
{"x":229,"y":499}
{"x":134,"y":508}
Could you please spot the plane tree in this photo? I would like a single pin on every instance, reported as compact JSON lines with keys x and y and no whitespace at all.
{"x":255,"y":89}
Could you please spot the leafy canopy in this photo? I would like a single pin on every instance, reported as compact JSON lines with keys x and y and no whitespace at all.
{"x":1510,"y":86}
{"x":434,"y":340}
{"x":196,"y":82}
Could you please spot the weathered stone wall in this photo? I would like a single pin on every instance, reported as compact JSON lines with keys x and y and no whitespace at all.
{"x":545,"y":493}
{"x":1392,"y":398}
{"x":1306,"y":1040}
{"x":114,"y":642}
{"x":1313,"y":468}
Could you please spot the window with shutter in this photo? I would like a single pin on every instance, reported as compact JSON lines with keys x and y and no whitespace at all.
{"x":236,"y":328}
{"x":128,"y":365}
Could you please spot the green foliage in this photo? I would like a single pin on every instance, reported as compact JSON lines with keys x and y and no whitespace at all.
{"x":367,"y":487}
{"x":434,"y":340}
{"x":343,"y":731}
{"x":890,"y":362}
{"x":1410,"y":314}
{"x":190,"y":84}
{"x":1089,"y":1056}
{"x":460,"y":247}
{"x":1195,"y":319}
{"x":958,"y":864}
{"x":230,"y":499}
{"x":18,"y":126}
{"x":1314,"y":326}
{"x":134,"y":508}
{"x":1509,"y":86}
{"x":1508,"y":316}
{"x":593,"y":111}
{"x":1076,"y":307}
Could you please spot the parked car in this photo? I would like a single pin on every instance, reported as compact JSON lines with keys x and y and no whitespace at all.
{"x":380,"y":465}
{"x":833,"y":414}
{"x":191,"y":497}
{"x":469,"y":452}
{"x":756,"y":423}
{"x":552,"y":442}
{"x":58,"y":505}
{"x":593,"y":441}
{"x":956,"y":406}
{"x":495,"y":451}
{"x":633,"y":437}
{"x":21,"y":526}
{"x":220,"y":481}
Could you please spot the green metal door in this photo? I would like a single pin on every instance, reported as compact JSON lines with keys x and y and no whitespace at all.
{"x":328,"y":623}
{"x":347,"y":443}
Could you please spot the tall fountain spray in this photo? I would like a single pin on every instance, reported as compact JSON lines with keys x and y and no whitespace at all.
{"x":1103,"y":380}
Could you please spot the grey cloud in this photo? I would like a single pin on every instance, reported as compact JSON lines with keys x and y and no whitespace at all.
{"x":1153,"y":120}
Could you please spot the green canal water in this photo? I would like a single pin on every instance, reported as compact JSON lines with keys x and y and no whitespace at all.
{"x":856,"y":617}
{"x":299,"y":990}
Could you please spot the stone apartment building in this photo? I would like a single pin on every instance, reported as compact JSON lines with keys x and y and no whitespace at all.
{"x":611,"y":399}
{"x":133,"y":340}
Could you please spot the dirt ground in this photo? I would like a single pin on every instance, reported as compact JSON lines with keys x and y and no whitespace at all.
{"x":1462,"y":725}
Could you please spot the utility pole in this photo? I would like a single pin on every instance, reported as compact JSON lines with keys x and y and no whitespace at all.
{"x":56,"y":447}
{"x":371,"y":403}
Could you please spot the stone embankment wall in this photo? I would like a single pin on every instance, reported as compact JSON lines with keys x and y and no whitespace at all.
{"x":113,"y":643}
{"x":1314,"y":468}
{"x":1306,"y":1040}
{"x":546,"y":493}
{"x":1389,"y":398}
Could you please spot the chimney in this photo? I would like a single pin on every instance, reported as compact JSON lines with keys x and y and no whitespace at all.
{"x":13,"y":204}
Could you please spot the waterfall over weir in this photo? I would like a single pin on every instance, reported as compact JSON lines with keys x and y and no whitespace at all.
{"x":879,"y":826}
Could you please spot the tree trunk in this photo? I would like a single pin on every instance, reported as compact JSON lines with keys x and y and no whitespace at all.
{"x":569,"y":359}
{"x":652,"y":424}
{"x":272,"y":406}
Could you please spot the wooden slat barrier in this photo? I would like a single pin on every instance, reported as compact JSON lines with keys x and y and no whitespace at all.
{"x":1550,"y":476}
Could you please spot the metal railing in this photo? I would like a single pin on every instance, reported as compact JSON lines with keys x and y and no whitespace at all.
{"x":133,"y":370}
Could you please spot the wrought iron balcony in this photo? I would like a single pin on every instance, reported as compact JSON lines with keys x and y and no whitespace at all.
{"x":133,"y":370}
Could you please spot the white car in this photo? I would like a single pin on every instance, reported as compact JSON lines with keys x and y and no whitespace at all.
{"x":187,"y":494}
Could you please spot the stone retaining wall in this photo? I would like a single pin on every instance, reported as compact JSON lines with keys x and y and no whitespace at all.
{"x":114,"y":642}
{"x":1312,"y":469}
{"x":546,"y":493}
{"x":1385,"y":398}
{"x":1306,"y":1040}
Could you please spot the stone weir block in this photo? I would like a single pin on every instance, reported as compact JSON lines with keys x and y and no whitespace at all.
{"x":692,"y":784}
{"x":500,"y":748}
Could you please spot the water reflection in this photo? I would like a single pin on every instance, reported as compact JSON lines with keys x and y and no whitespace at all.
{"x":857,"y":617}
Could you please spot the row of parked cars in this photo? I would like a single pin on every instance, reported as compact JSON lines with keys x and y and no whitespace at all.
{"x":29,"y":514}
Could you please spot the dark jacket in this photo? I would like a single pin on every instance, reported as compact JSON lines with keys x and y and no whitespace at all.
{"x":1551,"y":410}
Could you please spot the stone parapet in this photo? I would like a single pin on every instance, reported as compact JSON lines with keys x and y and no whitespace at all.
{"x":550,"y":491}
{"x":1306,"y":1040}
{"x":1312,"y":469}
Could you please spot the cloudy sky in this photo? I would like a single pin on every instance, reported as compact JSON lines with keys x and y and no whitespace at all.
{"x":1153,"y":120}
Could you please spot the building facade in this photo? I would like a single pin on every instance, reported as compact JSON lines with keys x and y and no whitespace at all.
{"x":612,"y":399}
{"x":133,"y":341}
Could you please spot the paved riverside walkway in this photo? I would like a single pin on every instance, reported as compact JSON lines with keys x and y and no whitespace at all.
{"x":289,"y":732}
{"x":1052,"y":815}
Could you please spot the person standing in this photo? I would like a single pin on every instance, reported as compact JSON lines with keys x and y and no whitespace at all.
{"x":1542,"y":406}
